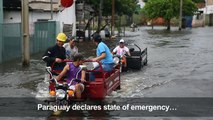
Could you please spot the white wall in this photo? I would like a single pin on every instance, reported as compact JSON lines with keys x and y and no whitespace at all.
{"x":15,"y":16}
{"x":141,"y":3}
{"x":209,"y":9}
{"x":12,"y":17}
{"x":68,"y":16}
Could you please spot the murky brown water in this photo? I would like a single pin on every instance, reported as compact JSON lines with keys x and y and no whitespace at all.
{"x":180,"y":64}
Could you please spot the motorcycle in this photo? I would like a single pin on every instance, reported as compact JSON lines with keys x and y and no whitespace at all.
{"x":117,"y":60}
{"x":63,"y":92}
{"x":120,"y":60}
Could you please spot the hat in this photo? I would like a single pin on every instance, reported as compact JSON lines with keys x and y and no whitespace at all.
{"x":121,"y":41}
{"x":97,"y":37}
{"x":78,"y":56}
{"x":61,"y":37}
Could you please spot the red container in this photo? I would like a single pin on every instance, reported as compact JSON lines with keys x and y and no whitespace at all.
{"x":104,"y":84}
{"x":66,"y":3}
{"x":96,"y":90}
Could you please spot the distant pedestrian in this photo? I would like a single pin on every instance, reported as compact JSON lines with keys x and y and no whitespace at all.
{"x":107,"y":33}
{"x":133,"y":26}
{"x":71,"y":48}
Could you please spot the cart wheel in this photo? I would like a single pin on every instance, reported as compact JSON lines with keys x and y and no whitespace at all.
{"x":145,"y":63}
{"x":118,"y":88}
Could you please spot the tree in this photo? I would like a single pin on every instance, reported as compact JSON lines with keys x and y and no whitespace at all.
{"x":196,"y":1}
{"x":199,"y":1}
{"x":122,"y":7}
{"x":168,"y":9}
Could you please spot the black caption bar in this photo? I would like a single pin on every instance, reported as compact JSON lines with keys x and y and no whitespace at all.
{"x":111,"y":107}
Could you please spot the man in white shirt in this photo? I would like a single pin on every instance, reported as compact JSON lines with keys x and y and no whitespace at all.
{"x":121,"y":50}
{"x":71,"y":48}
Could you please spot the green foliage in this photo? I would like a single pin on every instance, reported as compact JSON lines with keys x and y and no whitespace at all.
{"x":168,"y":9}
{"x":189,"y":8}
{"x":199,"y":1}
{"x":122,"y":7}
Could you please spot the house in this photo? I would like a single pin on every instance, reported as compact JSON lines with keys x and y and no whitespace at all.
{"x":208,"y":11}
{"x":46,"y":19}
{"x":141,"y":3}
{"x":204,"y":16}
{"x":198,"y":20}
{"x":40,"y":10}
{"x":209,"y":7}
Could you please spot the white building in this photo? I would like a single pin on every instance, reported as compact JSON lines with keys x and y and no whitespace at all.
{"x":209,"y":7}
{"x":141,"y":3}
{"x":41,"y":10}
{"x":204,"y":15}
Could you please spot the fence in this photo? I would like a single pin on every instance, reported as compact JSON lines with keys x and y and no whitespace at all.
{"x":11,"y":41}
{"x":209,"y":19}
{"x":44,"y":36}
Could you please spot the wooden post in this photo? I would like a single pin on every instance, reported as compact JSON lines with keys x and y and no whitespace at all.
{"x":205,"y":13}
{"x":25,"y":32}
{"x":89,"y":31}
{"x":180,"y":18}
{"x":113,"y":18}
{"x":51,"y":9}
{"x":100,"y":15}
{"x":1,"y":21}
{"x":93,"y":25}
{"x":124,"y":31}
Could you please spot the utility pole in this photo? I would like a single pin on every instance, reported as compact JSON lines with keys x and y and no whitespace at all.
{"x":100,"y":15}
{"x":113,"y":17}
{"x":205,"y":12}
{"x":180,"y":18}
{"x":1,"y":21}
{"x":25,"y":32}
{"x":51,"y":9}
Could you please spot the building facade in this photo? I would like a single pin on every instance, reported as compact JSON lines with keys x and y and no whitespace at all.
{"x":42,"y":10}
{"x":46,"y":20}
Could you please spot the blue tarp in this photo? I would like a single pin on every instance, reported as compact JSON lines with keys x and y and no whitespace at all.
{"x":188,"y":21}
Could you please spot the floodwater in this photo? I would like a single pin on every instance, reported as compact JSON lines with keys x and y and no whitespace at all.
{"x":180,"y":64}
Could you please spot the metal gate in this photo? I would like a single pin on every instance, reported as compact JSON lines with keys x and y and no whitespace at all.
{"x":11,"y":40}
{"x":44,"y":36}
{"x":211,"y":19}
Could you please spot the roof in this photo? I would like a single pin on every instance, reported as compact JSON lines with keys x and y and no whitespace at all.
{"x":44,"y":5}
{"x":12,"y":4}
{"x":41,"y":5}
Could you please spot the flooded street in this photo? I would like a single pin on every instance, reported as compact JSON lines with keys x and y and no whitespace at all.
{"x":180,"y":64}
